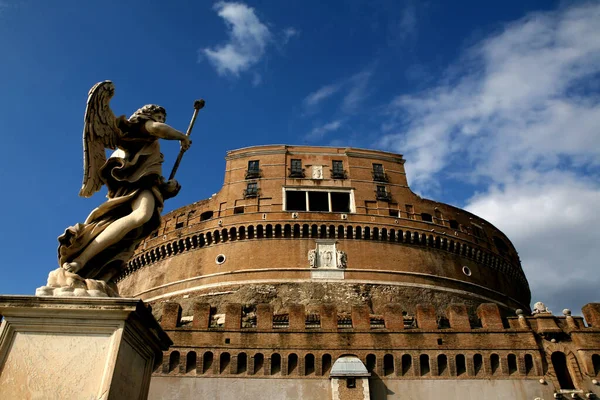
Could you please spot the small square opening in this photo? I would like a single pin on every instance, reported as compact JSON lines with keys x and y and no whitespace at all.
{"x":238,"y":210}
{"x":351,"y":383}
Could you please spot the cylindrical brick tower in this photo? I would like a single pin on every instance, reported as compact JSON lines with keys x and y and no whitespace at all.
{"x":314,"y":225}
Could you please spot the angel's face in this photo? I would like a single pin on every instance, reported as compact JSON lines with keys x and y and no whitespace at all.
{"x":160,"y":117}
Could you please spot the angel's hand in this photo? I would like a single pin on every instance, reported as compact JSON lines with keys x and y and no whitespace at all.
{"x":185,"y":143}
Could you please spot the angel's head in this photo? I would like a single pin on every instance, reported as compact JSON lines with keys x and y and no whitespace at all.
{"x":151,"y":111}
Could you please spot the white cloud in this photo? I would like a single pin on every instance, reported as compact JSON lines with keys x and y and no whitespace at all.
{"x":520,"y":112}
{"x":320,"y":131}
{"x":289,"y":33}
{"x":248,"y":39}
{"x":316,"y":97}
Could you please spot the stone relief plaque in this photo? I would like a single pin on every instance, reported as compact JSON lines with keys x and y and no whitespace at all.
{"x":326,"y":255}
{"x":317,"y":172}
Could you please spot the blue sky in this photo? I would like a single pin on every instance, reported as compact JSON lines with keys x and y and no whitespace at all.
{"x":496,"y":108}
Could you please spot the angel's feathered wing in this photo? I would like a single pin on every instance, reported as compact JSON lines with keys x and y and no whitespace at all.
{"x":100,"y":131}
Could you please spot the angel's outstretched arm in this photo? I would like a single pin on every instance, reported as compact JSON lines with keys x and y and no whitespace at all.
{"x":164,"y":131}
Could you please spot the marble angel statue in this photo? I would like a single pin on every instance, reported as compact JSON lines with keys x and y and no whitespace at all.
{"x":92,"y":253}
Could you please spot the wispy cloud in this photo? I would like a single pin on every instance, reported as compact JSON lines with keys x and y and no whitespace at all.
{"x":519,"y":113}
{"x":316,"y":97}
{"x":248,"y":40}
{"x":320,"y":131}
{"x":289,"y":33}
{"x":354,"y":90}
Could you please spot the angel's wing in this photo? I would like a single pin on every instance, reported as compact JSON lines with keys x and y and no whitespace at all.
{"x":100,"y":131}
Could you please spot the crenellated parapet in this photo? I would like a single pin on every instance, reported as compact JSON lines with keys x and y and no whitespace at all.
{"x":255,"y":341}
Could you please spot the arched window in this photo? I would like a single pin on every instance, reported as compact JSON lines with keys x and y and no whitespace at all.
{"x":224,"y":235}
{"x":424,"y":361}
{"x":371,"y":361}
{"x":206,"y":215}
{"x":442,"y":364}
{"x":305,"y":230}
{"x":323,"y":232}
{"x":358,"y":233}
{"x":477,"y":363}
{"x":275,"y":364}
{"x":512,"y":364}
{"x":326,"y":363}
{"x":406,"y":364}
{"x":269,"y":231}
{"x":495,"y":363}
{"x":596,"y":364}
{"x":367,"y":233}
{"x":259,"y":362}
{"x":190,"y":362}
{"x":528,"y":364}
{"x":292,"y":364}
{"x":426,"y":217}
{"x":233,"y":234}
{"x":309,"y":364}
{"x":314,"y":231}
{"x":559,"y":362}
{"x":340,"y":232}
{"x":251,"y":232}
{"x":296,"y":230}
{"x":174,"y":361}
{"x":461,"y":366}
{"x":242,"y":363}
{"x":260,"y":233}
{"x":375,"y":233}
{"x":331,"y":231}
{"x":384,"y":234}
{"x":242,"y":231}
{"x":207,"y":361}
{"x":287,"y":231}
{"x":349,"y":234}
{"x":225,"y":358}
{"x":278,"y":231}
{"x":388,"y":364}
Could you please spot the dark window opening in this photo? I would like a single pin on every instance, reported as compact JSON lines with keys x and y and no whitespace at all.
{"x":154,"y":234}
{"x":242,"y":363}
{"x":495,"y":362}
{"x":351,"y":383}
{"x":309,"y":364}
{"x":453,"y":224}
{"x":426,"y":217}
{"x":296,"y":170}
{"x":477,"y":231}
{"x":388,"y":364}
{"x":251,"y":190}
{"x":326,"y":363}
{"x":179,"y":225}
{"x":238,"y":210}
{"x":442,"y":364}
{"x":410,"y":211}
{"x":382,"y":193}
{"x":259,"y":361}
{"x":394,"y":213}
{"x":340,"y":202}
{"x":295,"y":200}
{"x":275,"y":364}
{"x":174,"y":360}
{"x":378,"y":174}
{"x":292,"y":363}
{"x":439,"y":217}
{"x":424,"y":361}
{"x":406,"y":364}
{"x":337,"y":171}
{"x":596,"y":363}
{"x":512,"y":364}
{"x":206,"y":215}
{"x":501,"y":245}
{"x":477,"y":363}
{"x":461,"y":366}
{"x":253,"y":169}
{"x":225,"y":359}
{"x":559,"y":362}
{"x":318,"y":201}
{"x":207,"y":361}
{"x":371,"y":359}
{"x":529,"y":364}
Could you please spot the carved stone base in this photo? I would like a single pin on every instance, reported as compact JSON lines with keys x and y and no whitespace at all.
{"x":77,"y":348}
{"x":67,"y":284}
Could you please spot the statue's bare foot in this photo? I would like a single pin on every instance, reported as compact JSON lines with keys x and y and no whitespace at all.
{"x":72,"y":267}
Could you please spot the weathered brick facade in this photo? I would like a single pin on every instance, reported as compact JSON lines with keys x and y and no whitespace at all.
{"x":307,"y":254}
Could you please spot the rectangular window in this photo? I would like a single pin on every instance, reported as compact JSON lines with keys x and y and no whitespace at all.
{"x":337,"y":171}
{"x":295,"y":200}
{"x":253,"y":169}
{"x":251,"y":190}
{"x":378,"y":174}
{"x":394,"y":213}
{"x":318,"y":201}
{"x":382,"y":193}
{"x":477,"y":231}
{"x":238,"y":210}
{"x":340,"y":202}
{"x":296,"y":170}
{"x":179,"y":225}
{"x":410,"y":211}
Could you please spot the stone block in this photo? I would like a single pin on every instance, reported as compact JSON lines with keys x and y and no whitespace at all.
{"x":393,"y":317}
{"x":297,"y":316}
{"x":264,"y":316}
{"x":201,"y":319}
{"x":78,"y":348}
{"x":328,"y":313}
{"x":233,"y":316}
{"x":458,"y":316}
{"x":489,"y":314}
{"x":171,"y":315}
{"x":361,"y":317}
{"x":426,"y":318}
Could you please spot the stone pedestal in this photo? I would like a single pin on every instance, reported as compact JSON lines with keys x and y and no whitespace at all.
{"x":77,"y":348}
